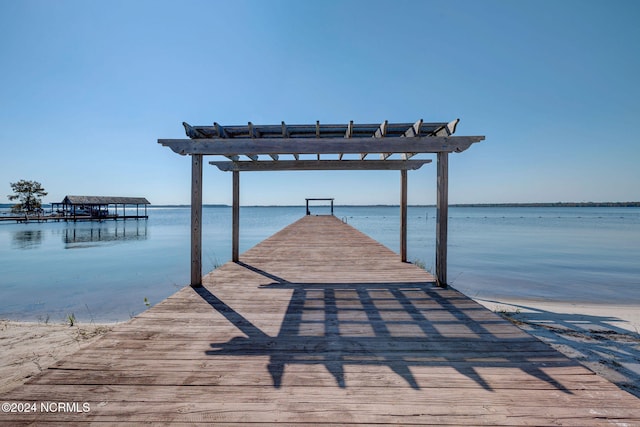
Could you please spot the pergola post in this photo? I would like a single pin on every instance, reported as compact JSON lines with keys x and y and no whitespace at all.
{"x":235,"y":250}
{"x":196,"y":220}
{"x":403,"y":215}
{"x":442,"y":215}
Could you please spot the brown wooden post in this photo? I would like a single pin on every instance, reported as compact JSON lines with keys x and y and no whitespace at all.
{"x":196,"y":220}
{"x":403,"y":215}
{"x":442,"y":216}
{"x":235,"y":250}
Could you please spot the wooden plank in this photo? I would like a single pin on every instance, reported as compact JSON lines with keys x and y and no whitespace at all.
{"x":220,"y":130}
{"x":285,"y":134}
{"x":318,"y":134}
{"x":196,"y":219}
{"x":413,"y":131}
{"x":348,"y":134}
{"x":381,"y":132}
{"x":326,"y":130}
{"x":221,"y":133}
{"x":235,"y":223}
{"x":253,"y":133}
{"x":389,"y":144}
{"x":442,"y":218}
{"x":403,"y":215}
{"x":444,"y":130}
{"x":290,"y":165}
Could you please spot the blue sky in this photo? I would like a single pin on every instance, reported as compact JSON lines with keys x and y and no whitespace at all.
{"x":87,"y":88}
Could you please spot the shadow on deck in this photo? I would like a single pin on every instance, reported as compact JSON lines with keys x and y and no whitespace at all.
{"x":398,"y":325}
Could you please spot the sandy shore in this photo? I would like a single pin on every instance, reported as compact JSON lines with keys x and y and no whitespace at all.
{"x":604,"y":338}
{"x":27,"y":348}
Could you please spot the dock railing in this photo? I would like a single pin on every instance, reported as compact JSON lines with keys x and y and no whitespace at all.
{"x":319,"y":199}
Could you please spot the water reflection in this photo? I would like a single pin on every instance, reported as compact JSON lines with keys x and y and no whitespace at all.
{"x":94,"y":236}
{"x":27,"y":239}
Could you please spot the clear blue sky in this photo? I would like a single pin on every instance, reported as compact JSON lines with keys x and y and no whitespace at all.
{"x":87,"y":88}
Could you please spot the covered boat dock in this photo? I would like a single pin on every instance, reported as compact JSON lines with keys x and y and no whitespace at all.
{"x":100,"y":207}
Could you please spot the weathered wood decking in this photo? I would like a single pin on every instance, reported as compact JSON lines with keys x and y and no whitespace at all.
{"x":319,"y":324}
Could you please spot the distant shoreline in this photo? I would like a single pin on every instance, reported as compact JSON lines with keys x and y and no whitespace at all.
{"x":453,"y":205}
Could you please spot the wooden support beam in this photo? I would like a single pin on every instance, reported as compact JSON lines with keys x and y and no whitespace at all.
{"x":348,"y":134}
{"x":220,"y":130}
{"x":413,"y":131}
{"x":192,"y":132}
{"x":445,"y":130}
{"x":318,"y":133}
{"x":442,"y":218}
{"x":389,"y":144}
{"x":252,"y":135}
{"x":403,"y":215}
{"x":196,"y":220}
{"x":290,"y":165}
{"x":235,"y":238}
{"x":285,"y":134}
{"x":223,"y":134}
{"x":379,"y":133}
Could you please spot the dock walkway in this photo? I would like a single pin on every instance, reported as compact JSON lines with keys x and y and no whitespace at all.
{"x":319,"y":324}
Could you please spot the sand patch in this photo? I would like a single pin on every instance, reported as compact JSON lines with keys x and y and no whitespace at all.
{"x":604,"y":338}
{"x":28,"y":348}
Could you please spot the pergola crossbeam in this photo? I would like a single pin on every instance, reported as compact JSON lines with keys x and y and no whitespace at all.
{"x":309,"y":165}
{"x":334,"y":145}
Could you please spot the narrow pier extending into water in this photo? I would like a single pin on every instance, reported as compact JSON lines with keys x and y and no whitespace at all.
{"x":319,"y":324}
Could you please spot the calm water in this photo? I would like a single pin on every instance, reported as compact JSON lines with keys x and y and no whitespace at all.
{"x":104,"y":271}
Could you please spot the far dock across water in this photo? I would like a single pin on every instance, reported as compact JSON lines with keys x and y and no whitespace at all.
{"x":88,"y":208}
{"x":320,"y":324}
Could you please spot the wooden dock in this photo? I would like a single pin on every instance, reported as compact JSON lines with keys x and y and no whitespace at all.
{"x":67,"y":218}
{"x":319,"y":324}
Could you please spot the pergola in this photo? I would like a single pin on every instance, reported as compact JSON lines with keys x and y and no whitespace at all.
{"x":395,"y":144}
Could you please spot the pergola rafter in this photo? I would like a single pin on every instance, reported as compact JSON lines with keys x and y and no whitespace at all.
{"x":274,"y":141}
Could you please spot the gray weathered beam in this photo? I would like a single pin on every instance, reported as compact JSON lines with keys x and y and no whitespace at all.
{"x":222,"y":134}
{"x":403,"y":215}
{"x":318,"y":133}
{"x":347,"y":134}
{"x":285,"y":134}
{"x":444,"y":130}
{"x":192,"y":132}
{"x":410,"y":133}
{"x":196,"y":220}
{"x":442,"y":218}
{"x":235,"y":221}
{"x":390,"y":144}
{"x":290,"y":165}
{"x":220,"y":130}
{"x":381,"y":132}
{"x":252,"y":135}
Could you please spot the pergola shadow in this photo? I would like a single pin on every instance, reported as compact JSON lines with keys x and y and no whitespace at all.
{"x":590,"y":338}
{"x":396,"y":325}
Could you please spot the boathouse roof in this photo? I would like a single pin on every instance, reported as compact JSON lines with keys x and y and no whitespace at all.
{"x":104,"y":200}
